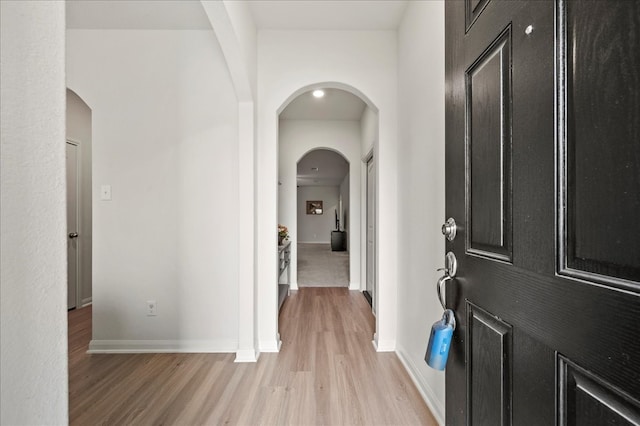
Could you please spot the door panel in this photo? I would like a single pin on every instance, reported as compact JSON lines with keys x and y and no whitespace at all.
{"x":474,"y":9}
{"x":488,"y":103}
{"x":598,"y":181}
{"x":488,"y":368}
{"x":584,"y":400}
{"x":535,"y":157}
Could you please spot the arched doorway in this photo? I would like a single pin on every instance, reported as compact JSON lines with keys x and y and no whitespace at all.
{"x":342,"y":123}
{"x":322,"y":219}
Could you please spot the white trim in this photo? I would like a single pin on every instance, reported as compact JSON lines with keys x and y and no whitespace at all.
{"x":246,"y":355}
{"x":369,"y":155}
{"x":384,"y":345}
{"x":354,"y":286}
{"x":86,"y":302}
{"x":161,"y":346}
{"x":270,"y":345}
{"x":314,"y":242}
{"x":247,"y":309}
{"x":80,"y":245}
{"x":427,"y":393}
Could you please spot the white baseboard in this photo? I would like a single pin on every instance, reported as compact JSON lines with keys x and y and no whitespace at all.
{"x":246,"y":355}
{"x":354,"y":286}
{"x":384,"y":345}
{"x":161,"y":346}
{"x":293,"y":285}
{"x":270,"y":345}
{"x":86,"y":302}
{"x":429,"y":396}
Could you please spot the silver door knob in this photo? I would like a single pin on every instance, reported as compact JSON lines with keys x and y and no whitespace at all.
{"x":73,"y":235}
{"x":449,"y":229}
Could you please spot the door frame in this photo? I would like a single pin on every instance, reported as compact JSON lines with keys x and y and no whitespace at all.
{"x":290,"y":180}
{"x":366,"y":159}
{"x":79,"y":257}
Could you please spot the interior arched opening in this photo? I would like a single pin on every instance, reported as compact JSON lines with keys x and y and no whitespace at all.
{"x":324,"y":143}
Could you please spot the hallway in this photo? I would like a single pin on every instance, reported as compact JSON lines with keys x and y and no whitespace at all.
{"x":326,"y":373}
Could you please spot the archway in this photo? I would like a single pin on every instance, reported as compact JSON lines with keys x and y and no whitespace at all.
{"x":302,"y":133}
{"x":322,"y":244}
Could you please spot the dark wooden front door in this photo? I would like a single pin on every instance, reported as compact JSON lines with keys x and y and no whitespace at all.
{"x":543,"y":179}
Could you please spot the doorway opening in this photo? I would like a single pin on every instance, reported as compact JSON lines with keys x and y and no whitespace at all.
{"x":79,"y":202}
{"x":322,"y":220}
{"x":370,"y":290}
{"x":323,"y":143}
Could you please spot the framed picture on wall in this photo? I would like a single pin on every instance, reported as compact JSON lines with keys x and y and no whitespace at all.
{"x":314,"y":207}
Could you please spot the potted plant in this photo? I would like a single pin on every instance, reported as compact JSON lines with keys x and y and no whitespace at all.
{"x":283,"y":234}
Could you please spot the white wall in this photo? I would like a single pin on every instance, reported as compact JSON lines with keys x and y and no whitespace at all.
{"x":421,"y":189}
{"x":364,"y":63}
{"x":33,"y":330}
{"x":317,"y":228}
{"x":79,"y":130}
{"x":165,"y":139}
{"x":297,"y":138}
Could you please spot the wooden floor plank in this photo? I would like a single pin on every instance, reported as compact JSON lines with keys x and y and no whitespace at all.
{"x":327,"y":373}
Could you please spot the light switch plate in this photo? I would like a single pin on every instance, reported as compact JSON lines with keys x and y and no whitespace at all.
{"x":105,"y":192}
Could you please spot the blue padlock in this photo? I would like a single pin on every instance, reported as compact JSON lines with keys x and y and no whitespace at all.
{"x":440,"y":341}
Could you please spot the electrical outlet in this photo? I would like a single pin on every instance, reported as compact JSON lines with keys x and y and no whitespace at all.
{"x":151,"y":308}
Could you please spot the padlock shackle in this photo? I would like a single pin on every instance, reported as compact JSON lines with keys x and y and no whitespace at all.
{"x":449,"y":318}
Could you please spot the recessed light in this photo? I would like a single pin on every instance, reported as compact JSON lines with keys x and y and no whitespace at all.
{"x":318,"y":93}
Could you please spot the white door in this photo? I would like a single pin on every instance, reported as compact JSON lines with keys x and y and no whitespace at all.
{"x":72,"y":225}
{"x":371,"y":234}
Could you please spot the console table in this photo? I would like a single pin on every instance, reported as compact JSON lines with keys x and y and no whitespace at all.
{"x":284,"y":273}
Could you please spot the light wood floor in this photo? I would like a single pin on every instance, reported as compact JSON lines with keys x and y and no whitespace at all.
{"x":326,"y":373}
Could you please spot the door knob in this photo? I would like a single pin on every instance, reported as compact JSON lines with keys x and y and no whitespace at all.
{"x":73,"y":235}
{"x":449,"y":229}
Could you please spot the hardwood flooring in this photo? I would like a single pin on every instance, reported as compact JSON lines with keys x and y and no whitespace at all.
{"x":327,"y":373}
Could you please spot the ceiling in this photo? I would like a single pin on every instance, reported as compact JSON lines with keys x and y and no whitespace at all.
{"x":335,"y":105}
{"x":136,"y":15}
{"x":332,"y":168}
{"x":267,"y":14}
{"x":328,"y":14}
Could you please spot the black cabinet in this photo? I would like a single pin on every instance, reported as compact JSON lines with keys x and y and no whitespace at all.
{"x":338,"y":240}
